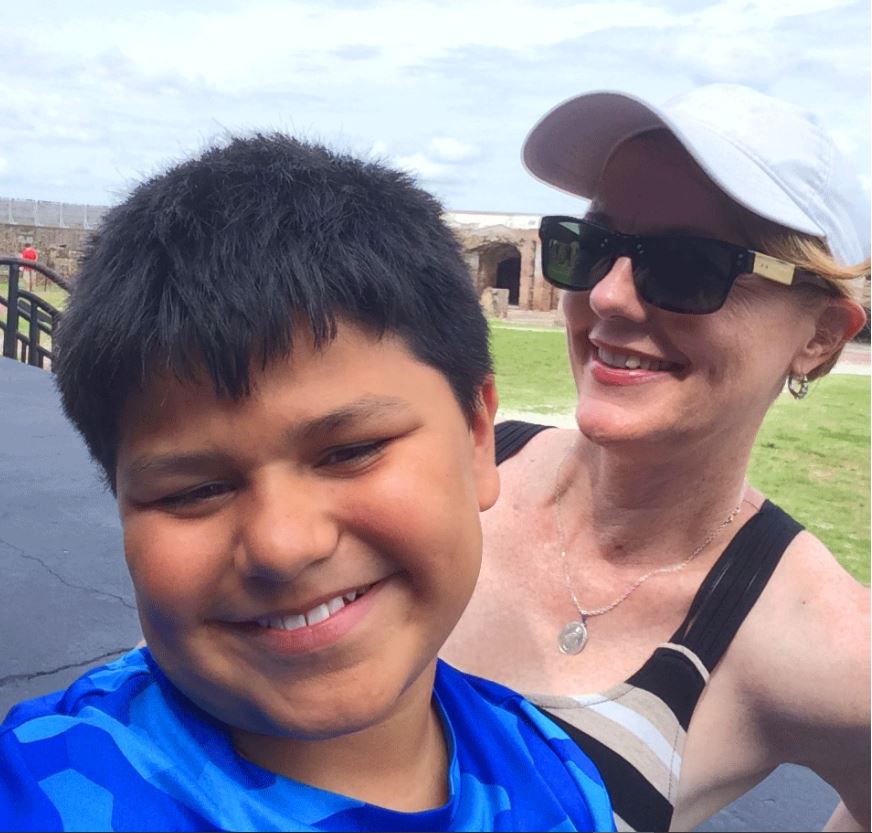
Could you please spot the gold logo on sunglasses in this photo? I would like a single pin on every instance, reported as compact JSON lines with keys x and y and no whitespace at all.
{"x":772,"y":269}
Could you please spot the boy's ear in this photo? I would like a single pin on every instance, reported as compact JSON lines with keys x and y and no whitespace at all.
{"x":837,"y":322}
{"x":481,"y":431}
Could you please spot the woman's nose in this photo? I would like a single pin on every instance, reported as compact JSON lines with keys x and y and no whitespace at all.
{"x":286,"y":527}
{"x":615,"y":296}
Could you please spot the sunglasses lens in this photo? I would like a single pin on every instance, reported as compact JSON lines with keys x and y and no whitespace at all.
{"x":574,"y":255}
{"x":685,"y":274}
{"x":681,"y":274}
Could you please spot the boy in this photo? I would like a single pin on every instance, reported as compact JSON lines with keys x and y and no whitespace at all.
{"x":277,"y":357}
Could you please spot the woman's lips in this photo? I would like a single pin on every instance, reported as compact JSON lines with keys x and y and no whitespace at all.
{"x":609,"y":366}
{"x":632,"y":361}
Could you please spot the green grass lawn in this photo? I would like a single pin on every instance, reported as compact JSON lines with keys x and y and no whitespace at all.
{"x":532,"y":369}
{"x":51,"y":293}
{"x":56,"y":296}
{"x":811,"y":457}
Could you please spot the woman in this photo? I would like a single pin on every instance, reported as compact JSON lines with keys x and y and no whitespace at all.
{"x":631,"y":558}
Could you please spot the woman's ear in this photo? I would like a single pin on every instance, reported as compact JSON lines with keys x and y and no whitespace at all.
{"x":481,"y":432}
{"x":839,"y":320}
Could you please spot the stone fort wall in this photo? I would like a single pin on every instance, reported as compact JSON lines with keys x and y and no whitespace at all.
{"x":58,"y":231}
{"x":502,"y":250}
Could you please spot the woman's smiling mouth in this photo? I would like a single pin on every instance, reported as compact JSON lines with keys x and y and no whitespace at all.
{"x":631,"y":361}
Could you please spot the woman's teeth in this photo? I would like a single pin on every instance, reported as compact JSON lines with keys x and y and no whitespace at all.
{"x":622,"y":361}
{"x":312,"y":617}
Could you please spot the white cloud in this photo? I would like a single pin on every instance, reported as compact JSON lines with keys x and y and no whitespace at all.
{"x":423,"y":166}
{"x":447,"y":88}
{"x":441,"y":165}
{"x":446,"y":149}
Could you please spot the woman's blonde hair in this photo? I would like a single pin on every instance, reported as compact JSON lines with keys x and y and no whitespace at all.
{"x":811,"y":255}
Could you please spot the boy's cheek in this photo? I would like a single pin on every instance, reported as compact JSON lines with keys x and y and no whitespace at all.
{"x":428,"y":502}
{"x":426,"y":526}
{"x":171,"y":564}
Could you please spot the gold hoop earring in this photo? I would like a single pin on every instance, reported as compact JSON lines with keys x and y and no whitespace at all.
{"x":797,"y":385}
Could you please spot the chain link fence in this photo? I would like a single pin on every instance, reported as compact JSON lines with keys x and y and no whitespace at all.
{"x":41,"y":213}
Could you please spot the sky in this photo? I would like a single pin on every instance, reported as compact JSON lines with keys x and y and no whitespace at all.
{"x":96,"y":96}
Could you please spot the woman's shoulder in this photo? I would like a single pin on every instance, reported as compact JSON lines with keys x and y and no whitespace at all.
{"x":804,"y":647}
{"x":527,"y":452}
{"x":811,"y":592}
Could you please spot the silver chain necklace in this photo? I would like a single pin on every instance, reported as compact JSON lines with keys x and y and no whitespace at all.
{"x":573,"y":636}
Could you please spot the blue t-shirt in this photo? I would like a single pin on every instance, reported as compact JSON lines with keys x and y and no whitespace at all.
{"x":123,"y":749}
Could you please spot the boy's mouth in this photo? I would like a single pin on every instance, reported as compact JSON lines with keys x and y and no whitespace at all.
{"x":319,"y":613}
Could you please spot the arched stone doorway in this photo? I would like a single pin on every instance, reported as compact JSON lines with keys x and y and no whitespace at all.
{"x":509,"y":277}
{"x":499,"y":265}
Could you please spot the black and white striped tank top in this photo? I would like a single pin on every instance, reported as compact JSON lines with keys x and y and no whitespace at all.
{"x":634,"y":732}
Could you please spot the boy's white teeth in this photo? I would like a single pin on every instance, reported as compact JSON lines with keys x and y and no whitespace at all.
{"x":319,"y":614}
{"x":620,"y":360}
{"x":312,"y":617}
{"x":335,"y":605}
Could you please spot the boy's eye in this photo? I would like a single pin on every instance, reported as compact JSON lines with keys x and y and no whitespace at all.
{"x":351,"y":456}
{"x":195,"y":496}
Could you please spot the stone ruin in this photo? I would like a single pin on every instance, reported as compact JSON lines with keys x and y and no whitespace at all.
{"x":501,"y":250}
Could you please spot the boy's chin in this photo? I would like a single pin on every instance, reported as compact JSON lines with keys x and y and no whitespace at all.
{"x":317,"y":709}
{"x":314,"y":728}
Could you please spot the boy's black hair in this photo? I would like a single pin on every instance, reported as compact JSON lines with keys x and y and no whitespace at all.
{"x":211,"y":266}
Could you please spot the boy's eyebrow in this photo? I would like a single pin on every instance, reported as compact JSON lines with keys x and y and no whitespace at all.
{"x":365,"y":408}
{"x":184,"y":463}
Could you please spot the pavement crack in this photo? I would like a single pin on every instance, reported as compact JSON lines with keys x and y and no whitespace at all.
{"x":64,"y":581}
{"x":14,"y":678}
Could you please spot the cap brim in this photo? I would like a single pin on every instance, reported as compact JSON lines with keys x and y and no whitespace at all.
{"x":570,"y":145}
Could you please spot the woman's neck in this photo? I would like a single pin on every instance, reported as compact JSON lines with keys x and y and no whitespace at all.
{"x":647,"y":501}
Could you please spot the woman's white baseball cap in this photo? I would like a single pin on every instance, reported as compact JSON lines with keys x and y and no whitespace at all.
{"x":766,"y":154}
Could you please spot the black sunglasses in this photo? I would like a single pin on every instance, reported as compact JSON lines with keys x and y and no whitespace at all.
{"x":679,"y":274}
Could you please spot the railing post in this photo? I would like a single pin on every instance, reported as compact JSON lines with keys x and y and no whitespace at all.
{"x":42,"y":317}
{"x":10,"y":340}
{"x":33,"y":334}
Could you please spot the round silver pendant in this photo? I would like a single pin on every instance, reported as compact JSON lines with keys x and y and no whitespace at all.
{"x":572,"y":638}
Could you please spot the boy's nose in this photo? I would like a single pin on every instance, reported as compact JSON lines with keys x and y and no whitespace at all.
{"x":616,"y":296}
{"x":285,"y":528}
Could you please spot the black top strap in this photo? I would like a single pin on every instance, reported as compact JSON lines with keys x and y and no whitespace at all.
{"x":735,"y":583}
{"x":513,"y":435}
